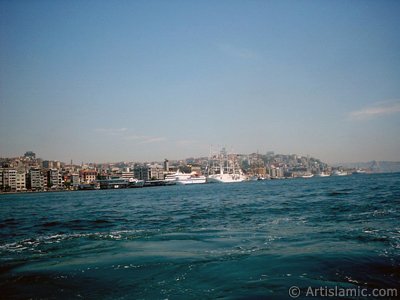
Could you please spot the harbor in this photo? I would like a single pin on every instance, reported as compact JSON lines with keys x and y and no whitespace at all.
{"x":31,"y":174}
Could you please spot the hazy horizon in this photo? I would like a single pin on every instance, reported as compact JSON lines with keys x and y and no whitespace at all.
{"x":104,"y":81}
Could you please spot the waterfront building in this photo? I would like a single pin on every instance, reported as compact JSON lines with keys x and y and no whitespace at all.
{"x":20,"y":182}
{"x":35,"y":179}
{"x":44,"y":179}
{"x":149,"y":172}
{"x":141,"y":172}
{"x":9,"y":179}
{"x":88,"y":176}
{"x":260,"y":171}
{"x":276,"y":172}
{"x":54,"y":179}
{"x":127,"y":175}
{"x":1,"y":179}
{"x":75,"y":180}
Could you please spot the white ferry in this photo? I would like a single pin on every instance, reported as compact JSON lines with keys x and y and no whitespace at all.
{"x":185,"y":178}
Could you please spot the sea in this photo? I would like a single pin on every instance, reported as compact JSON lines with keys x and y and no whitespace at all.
{"x":276,"y":239}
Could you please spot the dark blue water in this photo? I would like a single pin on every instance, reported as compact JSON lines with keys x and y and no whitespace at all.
{"x":250,"y":240}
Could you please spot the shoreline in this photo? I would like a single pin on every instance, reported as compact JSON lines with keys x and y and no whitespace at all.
{"x":80,"y":190}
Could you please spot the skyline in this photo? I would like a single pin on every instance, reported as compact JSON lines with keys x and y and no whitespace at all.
{"x":110,"y":81}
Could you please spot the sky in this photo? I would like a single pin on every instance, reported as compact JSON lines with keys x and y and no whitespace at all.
{"x":103,"y":81}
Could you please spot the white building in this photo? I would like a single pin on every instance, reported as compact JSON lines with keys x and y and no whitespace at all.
{"x":54,"y":179}
{"x":20,"y":182}
{"x":10,"y":179}
{"x":35,"y":180}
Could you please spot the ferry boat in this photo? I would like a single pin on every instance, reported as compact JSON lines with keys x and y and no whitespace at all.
{"x":185,"y":178}
{"x":192,"y":180}
{"x":120,"y":183}
{"x":224,"y":168}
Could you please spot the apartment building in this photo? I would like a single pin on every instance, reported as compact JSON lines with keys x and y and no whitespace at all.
{"x":9,"y":179}
{"x":88,"y":176}
{"x":149,"y":172}
{"x":54,"y":179}
{"x":35,"y":180}
{"x":20,"y":182}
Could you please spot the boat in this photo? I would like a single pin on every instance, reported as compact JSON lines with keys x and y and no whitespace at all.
{"x":224,"y":168}
{"x":192,"y":180}
{"x":120,"y":183}
{"x":135,"y":183}
{"x":254,"y":178}
{"x":185,"y":178}
{"x":359,"y":171}
{"x":307,"y":175}
{"x":339,"y":173}
{"x":88,"y":186}
{"x":158,"y":182}
{"x":225,"y":178}
{"x":323,"y":174}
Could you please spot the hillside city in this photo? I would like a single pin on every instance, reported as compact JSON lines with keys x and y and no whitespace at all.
{"x":30,"y":173}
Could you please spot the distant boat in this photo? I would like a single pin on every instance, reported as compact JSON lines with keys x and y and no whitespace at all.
{"x":359,"y":171}
{"x":339,"y":173}
{"x":322,"y":174}
{"x":224,"y":168}
{"x":307,"y":175}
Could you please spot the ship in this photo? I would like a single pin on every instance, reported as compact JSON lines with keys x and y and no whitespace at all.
{"x":224,"y":168}
{"x":185,"y":178}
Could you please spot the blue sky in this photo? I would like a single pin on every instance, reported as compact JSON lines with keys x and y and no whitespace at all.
{"x":147,"y":80}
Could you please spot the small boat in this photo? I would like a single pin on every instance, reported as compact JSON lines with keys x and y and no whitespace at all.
{"x":322,"y":174}
{"x":359,"y":171}
{"x":340,"y":173}
{"x":307,"y":175}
